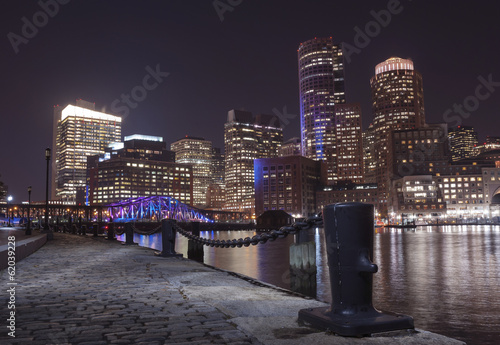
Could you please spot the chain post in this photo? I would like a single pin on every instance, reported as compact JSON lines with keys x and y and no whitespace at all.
{"x":349,"y":231}
{"x":168,"y":239}
{"x":111,"y":231}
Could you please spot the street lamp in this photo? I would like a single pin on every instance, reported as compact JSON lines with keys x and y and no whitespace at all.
{"x":46,"y":228}
{"x":28,"y":227}
{"x":9,"y":199}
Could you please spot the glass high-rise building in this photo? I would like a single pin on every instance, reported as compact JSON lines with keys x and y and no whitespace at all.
{"x":321,"y":86}
{"x":79,"y":132}
{"x":247,"y":138}
{"x":198,"y":153}
{"x":397,"y":103}
{"x":463,"y":142}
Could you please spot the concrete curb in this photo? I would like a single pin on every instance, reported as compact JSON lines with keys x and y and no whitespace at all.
{"x":24,"y":248}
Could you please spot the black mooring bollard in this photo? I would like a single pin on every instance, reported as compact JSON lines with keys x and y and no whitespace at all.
{"x":95,"y":229}
{"x":111,"y":231}
{"x":195,"y":228}
{"x":129,"y":234}
{"x":349,"y":229}
{"x":168,"y":238}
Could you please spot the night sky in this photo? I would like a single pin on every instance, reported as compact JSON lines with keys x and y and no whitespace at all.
{"x":99,"y":50}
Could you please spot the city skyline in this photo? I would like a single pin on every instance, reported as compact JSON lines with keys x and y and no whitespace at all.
{"x":237,"y":65}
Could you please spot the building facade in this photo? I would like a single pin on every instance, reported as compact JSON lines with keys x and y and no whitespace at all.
{"x":463,"y":142}
{"x":291,"y":147}
{"x":79,"y":132}
{"x":369,"y":162}
{"x":138,"y":168}
{"x":420,"y":151}
{"x":416,"y":197}
{"x":321,"y":86}
{"x":349,"y":142}
{"x":366,"y":193}
{"x":397,"y":103}
{"x":287,"y":183}
{"x":247,"y":138}
{"x":197,"y":152}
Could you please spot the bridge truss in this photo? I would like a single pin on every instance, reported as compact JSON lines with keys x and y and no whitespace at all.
{"x":155,"y":208}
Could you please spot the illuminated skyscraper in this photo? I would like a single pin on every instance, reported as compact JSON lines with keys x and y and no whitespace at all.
{"x":397,"y":103}
{"x":321,"y":85}
{"x":198,"y":153}
{"x":247,"y":138}
{"x":349,"y":144}
{"x":463,"y":142}
{"x":79,"y":132}
{"x":370,"y":164}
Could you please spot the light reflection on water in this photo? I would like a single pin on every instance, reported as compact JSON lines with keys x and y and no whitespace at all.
{"x":446,"y":277}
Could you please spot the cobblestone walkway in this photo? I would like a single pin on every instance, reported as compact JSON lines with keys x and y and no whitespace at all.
{"x":82,"y":290}
{"x":77,"y":290}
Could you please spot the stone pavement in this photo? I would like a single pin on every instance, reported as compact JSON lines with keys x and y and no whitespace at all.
{"x":81,"y":290}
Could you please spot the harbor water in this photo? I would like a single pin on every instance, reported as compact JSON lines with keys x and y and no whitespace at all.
{"x":447,"y":278}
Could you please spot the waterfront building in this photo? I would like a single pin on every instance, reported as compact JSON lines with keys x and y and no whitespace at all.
{"x":369,"y":162}
{"x":397,"y":103}
{"x":340,"y":193}
{"x":349,"y":142}
{"x":247,"y":138}
{"x":141,"y":166}
{"x":197,"y":152}
{"x":463,"y":142}
{"x":287,"y":183}
{"x":420,"y":151}
{"x":291,"y":147}
{"x":79,"y":131}
{"x":491,"y":178}
{"x":463,"y":194}
{"x":321,"y":87}
{"x":416,"y":197}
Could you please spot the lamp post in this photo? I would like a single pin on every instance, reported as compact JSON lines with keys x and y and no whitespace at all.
{"x":28,"y":227}
{"x":46,"y":228}
{"x":9,"y":199}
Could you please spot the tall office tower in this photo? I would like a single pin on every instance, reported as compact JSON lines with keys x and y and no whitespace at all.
{"x":463,"y":142}
{"x":198,"y":153}
{"x":349,"y":144}
{"x":397,"y":103}
{"x":216,"y":192}
{"x":79,"y":132}
{"x":369,"y":162}
{"x":247,"y":138}
{"x":141,"y":166}
{"x":217,"y":166}
{"x":321,"y":86}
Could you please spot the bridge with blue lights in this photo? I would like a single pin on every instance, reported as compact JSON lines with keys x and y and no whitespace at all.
{"x":152,"y":208}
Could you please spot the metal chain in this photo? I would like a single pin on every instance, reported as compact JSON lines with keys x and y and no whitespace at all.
{"x":283,"y":232}
{"x":147,"y":233}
